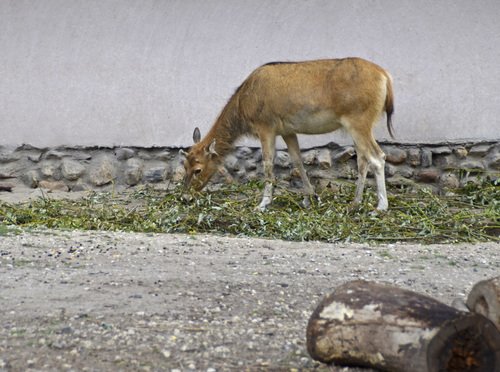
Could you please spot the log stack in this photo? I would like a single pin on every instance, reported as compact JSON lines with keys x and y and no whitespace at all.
{"x":388,"y":328}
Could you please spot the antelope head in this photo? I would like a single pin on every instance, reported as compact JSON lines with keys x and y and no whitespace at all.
{"x":201,"y":162}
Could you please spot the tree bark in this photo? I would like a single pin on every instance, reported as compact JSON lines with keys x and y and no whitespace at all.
{"x":484,"y":298}
{"x":380,"y":326}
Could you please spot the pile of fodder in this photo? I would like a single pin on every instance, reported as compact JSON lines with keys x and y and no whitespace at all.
{"x":468,"y":215}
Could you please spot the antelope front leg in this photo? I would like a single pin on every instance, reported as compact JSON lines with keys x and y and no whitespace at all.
{"x":267,"y":196}
{"x":268,"y":163}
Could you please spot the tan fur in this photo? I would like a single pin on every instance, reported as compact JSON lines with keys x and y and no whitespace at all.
{"x":287,"y":99}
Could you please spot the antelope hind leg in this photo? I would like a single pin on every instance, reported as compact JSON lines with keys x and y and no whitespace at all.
{"x":292,"y":144}
{"x":369,"y":155}
{"x":360,"y":182}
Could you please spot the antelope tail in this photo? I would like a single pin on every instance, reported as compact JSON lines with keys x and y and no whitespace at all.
{"x":389,"y":106}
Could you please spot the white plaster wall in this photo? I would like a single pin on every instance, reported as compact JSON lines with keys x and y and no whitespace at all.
{"x":145,"y":72}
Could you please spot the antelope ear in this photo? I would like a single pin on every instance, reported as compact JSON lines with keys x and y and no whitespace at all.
{"x":211,"y":149}
{"x":183,"y":153}
{"x":196,"y":135}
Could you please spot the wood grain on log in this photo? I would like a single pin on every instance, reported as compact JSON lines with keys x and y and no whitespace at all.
{"x":380,"y":326}
{"x":484,"y":298}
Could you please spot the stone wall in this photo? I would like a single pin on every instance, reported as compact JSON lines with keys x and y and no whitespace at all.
{"x":78,"y":169}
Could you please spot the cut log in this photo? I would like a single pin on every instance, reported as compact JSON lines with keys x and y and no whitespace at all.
{"x":484,"y":298}
{"x":384,"y":327}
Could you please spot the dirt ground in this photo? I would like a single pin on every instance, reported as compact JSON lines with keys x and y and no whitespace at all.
{"x":100,"y":301}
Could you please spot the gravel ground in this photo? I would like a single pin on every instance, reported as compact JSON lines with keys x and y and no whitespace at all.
{"x":103,"y":301}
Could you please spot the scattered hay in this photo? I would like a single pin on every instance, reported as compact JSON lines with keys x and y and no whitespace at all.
{"x":469,"y":215}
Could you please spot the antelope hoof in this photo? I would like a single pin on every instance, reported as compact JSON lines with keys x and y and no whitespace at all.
{"x":378,"y":211}
{"x":382,"y":207}
{"x":266,"y":201}
{"x":353,"y":206}
{"x":187,"y":198}
{"x":306,"y":202}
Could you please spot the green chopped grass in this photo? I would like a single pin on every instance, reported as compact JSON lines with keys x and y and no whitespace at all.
{"x":470,"y":215}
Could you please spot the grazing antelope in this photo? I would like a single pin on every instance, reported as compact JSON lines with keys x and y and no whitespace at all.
{"x":287,"y":98}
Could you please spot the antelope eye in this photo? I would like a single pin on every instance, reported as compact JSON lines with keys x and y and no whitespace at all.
{"x":197,"y":171}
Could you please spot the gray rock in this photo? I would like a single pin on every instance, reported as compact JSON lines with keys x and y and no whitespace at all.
{"x":232,"y":163}
{"x":35,"y":157}
{"x":399,"y":180}
{"x":309,"y":157}
{"x":104,"y":173}
{"x":344,"y":154}
{"x":493,"y":161}
{"x":164,"y":155}
{"x":24,"y":147}
{"x":124,"y":153}
{"x":461,"y":152}
{"x":449,"y":181}
{"x":53,"y":185}
{"x":428,"y":175}
{"x":250,"y":165}
{"x":282,"y":159}
{"x":390,"y":170}
{"x":480,"y":150}
{"x":426,"y":158}
{"x":8,"y":157}
{"x":346,"y":169}
{"x":81,"y":155}
{"x":31,"y":178}
{"x":395,"y":155}
{"x":178,"y":173}
{"x":51,"y":169}
{"x":134,"y":171}
{"x":257,"y":156}
{"x":324,"y":159}
{"x":71,"y":169}
{"x":441,"y":150}
{"x":444,"y":161}
{"x":333,"y":146}
{"x":404,"y":171}
{"x":145,"y":155}
{"x":243,"y":152}
{"x":253,"y":175}
{"x":242,"y":175}
{"x":156,"y":174}
{"x":80,"y":186}
{"x":55,"y":154}
{"x":414,"y":157}
{"x":320,"y":174}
